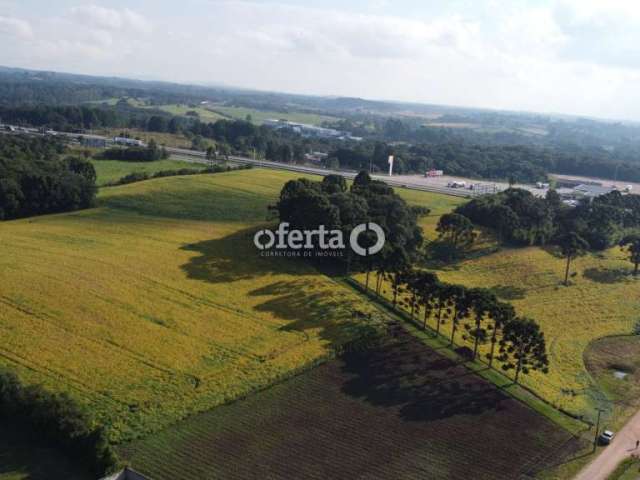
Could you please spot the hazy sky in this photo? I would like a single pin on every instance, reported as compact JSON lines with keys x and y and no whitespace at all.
{"x":571,"y":56}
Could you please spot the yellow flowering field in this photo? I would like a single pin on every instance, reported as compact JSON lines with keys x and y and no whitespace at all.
{"x":155,"y":304}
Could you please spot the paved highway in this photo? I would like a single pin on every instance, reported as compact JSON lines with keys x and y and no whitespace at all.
{"x":200,"y":157}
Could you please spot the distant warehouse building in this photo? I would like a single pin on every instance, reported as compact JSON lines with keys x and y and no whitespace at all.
{"x":591,"y":191}
{"x":584,"y":191}
{"x":309,"y":130}
{"x":131,"y":142}
{"x":303,"y":128}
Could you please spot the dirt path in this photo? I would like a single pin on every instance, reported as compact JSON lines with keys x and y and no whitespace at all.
{"x":622,"y":446}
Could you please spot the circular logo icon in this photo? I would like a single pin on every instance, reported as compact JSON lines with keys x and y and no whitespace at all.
{"x":364,"y":227}
{"x":258,"y":236}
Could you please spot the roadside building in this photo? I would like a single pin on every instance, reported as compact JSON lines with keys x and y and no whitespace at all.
{"x":573,"y":183}
{"x":584,"y":191}
{"x":316,"y":157}
{"x":131,"y":142}
{"x":591,"y":191}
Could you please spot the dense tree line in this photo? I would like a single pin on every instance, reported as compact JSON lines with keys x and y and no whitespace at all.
{"x":243,"y":137}
{"x":238,"y":136}
{"x":63,"y":117}
{"x":479,"y":161}
{"x":20,"y":91}
{"x":35,"y":178}
{"x":522,"y":163}
{"x":57,"y":420}
{"x":474,"y":313}
{"x":518,"y":217}
{"x":149,"y":153}
{"x":73,"y":118}
{"x":306,"y":205}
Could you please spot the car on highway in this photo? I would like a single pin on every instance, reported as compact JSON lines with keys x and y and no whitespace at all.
{"x":606,"y":437}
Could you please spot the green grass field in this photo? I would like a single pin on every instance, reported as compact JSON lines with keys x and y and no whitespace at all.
{"x":108,"y":171}
{"x":205,"y":114}
{"x":259,"y":116}
{"x":627,"y":470}
{"x":614,"y":362}
{"x":107,"y":101}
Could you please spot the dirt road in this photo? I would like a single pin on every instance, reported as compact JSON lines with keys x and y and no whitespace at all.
{"x":622,"y":446}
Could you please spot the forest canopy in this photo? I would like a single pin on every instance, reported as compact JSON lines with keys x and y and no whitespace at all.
{"x":35,"y":178}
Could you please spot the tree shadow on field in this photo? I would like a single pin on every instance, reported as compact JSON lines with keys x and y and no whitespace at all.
{"x":508,"y":292}
{"x":303,"y":302}
{"x":24,"y":454}
{"x":607,"y":275}
{"x":305,"y":308}
{"x":421,"y":384}
{"x":235,"y":257}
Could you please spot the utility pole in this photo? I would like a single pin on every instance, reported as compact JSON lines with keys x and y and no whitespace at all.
{"x":595,"y":439}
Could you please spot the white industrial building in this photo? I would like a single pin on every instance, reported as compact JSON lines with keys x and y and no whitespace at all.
{"x":309,"y":130}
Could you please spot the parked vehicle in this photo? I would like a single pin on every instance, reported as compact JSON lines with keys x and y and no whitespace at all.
{"x":606,"y":437}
